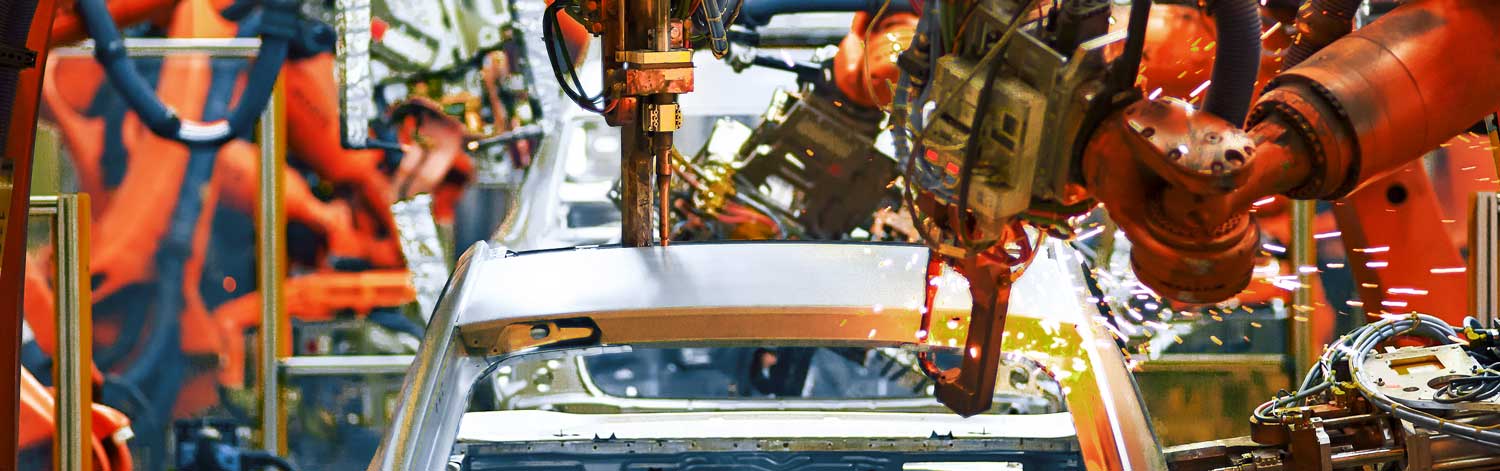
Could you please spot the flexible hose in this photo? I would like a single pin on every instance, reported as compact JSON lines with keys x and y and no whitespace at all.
{"x":279,"y":23}
{"x":1319,"y":23}
{"x":1236,"y":59}
{"x":713,"y":14}
{"x":1122,"y":75}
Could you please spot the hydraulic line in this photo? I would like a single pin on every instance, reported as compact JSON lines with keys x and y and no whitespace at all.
{"x":1236,"y":59}
{"x":280,"y":23}
{"x":1319,"y":23}
{"x":1123,"y":71}
{"x":713,"y":14}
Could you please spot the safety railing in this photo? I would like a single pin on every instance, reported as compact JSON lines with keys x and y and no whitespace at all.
{"x":68,"y":221}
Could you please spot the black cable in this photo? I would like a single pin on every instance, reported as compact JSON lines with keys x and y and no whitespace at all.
{"x":1236,"y":59}
{"x":1125,"y":68}
{"x":972,"y":147}
{"x":557,"y":51}
{"x":572,"y":69}
{"x":257,"y":459}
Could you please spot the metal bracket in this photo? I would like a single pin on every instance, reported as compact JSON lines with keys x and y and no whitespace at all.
{"x":655,"y":57}
{"x":662,"y":118}
{"x":17,"y":57}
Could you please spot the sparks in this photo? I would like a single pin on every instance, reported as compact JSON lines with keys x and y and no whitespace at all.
{"x":1411,"y":291}
{"x":1201,"y":87}
{"x":1090,"y":234}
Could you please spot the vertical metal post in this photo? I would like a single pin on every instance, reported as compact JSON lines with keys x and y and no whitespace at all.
{"x":1302,"y":347}
{"x":1484,"y":265}
{"x":270,"y":244}
{"x":73,"y":365}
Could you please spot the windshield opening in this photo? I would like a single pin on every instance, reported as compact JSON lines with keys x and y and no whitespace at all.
{"x":668,"y":379}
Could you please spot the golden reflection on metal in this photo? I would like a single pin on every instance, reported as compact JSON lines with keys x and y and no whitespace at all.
{"x":517,"y":337}
{"x":69,"y":218}
{"x":1484,"y":256}
{"x":1302,"y":347}
{"x":1057,"y":345}
{"x":275,"y":335}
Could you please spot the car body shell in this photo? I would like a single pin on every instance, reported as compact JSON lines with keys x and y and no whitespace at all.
{"x":501,"y":305}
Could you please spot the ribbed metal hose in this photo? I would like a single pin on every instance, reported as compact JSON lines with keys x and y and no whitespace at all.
{"x":1319,"y":23}
{"x":15,"y":26}
{"x":1237,"y":60}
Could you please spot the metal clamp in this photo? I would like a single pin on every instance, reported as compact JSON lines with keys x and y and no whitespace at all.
{"x":662,"y":118}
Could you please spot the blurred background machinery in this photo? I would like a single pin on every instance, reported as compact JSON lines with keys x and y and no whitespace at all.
{"x":360,"y":145}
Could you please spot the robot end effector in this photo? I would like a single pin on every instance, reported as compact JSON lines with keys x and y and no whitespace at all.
{"x":1181,"y":182}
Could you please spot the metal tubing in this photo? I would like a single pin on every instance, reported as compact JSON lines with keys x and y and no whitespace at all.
{"x":662,"y":18}
{"x":1366,"y":457}
{"x":1467,"y":463}
{"x":162,"y":47}
{"x":1484,"y":264}
{"x":73,"y":366}
{"x":1350,"y":420}
{"x":346,"y":365}
{"x":270,"y":243}
{"x":1303,"y":348}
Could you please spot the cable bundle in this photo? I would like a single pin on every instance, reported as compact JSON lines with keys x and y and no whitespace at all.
{"x":1356,"y":347}
{"x":562,"y":61}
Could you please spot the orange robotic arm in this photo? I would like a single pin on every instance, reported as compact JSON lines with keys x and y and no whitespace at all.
{"x":865,"y":67}
{"x":1180,"y":182}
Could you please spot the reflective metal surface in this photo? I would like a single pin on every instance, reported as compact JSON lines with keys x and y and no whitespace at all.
{"x":69,"y":215}
{"x":528,"y":425}
{"x":424,"y":252}
{"x":357,"y":88}
{"x":782,"y":293}
{"x":270,"y":244}
{"x":345,"y":365}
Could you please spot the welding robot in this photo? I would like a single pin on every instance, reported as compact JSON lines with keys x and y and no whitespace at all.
{"x":1014,"y":118}
{"x":168,"y":290}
